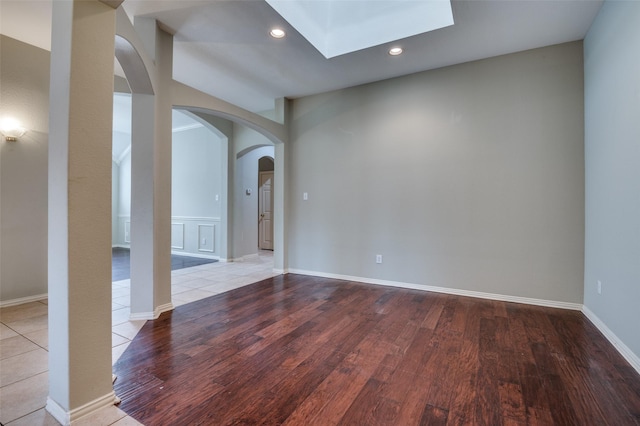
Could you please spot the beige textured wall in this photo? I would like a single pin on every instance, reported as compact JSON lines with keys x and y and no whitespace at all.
{"x":468,"y":177}
{"x":24,"y":94}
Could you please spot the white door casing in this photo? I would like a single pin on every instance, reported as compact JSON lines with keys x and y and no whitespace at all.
{"x":265,"y":211}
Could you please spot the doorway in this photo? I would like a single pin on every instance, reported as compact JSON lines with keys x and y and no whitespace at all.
{"x":265,"y":203}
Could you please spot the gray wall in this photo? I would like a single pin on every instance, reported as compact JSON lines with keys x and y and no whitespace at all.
{"x":196,"y":183}
{"x":196,"y":173}
{"x":468,"y":177}
{"x":124,"y":201}
{"x":121,"y":145}
{"x":24,"y":91}
{"x":612,"y":152}
{"x":124,"y":186}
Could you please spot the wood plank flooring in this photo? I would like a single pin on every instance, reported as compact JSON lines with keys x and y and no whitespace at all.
{"x":298,"y":350}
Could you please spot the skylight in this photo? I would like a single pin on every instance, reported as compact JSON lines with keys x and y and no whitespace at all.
{"x":336,"y":27}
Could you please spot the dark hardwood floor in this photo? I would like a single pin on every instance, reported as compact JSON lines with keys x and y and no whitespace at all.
{"x":300,"y":350}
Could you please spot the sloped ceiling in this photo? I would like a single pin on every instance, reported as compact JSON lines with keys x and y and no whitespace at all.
{"x":223,"y":48}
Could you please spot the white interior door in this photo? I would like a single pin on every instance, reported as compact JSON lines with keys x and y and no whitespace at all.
{"x":265,"y":212}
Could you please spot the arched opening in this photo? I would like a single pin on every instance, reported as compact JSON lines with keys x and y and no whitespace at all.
{"x":221,"y":130}
{"x":247,"y":221}
{"x":198,"y":153}
{"x":197,"y":181}
{"x":250,"y":143}
{"x":151,"y":173}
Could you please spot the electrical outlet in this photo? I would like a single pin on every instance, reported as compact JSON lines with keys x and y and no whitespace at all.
{"x":599,"y":287}
{"x":305,"y":196}
{"x":378,"y":258}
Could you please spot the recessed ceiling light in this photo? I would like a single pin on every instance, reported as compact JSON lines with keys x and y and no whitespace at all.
{"x":395,"y":51}
{"x":277,"y":33}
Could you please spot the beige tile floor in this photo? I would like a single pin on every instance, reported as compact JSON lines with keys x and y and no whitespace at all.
{"x":24,"y":339}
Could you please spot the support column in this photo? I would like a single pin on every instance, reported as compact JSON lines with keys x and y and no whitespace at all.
{"x":280,"y":254}
{"x":81,"y":99}
{"x":151,"y":182}
{"x":281,"y":188}
{"x":227,"y":170}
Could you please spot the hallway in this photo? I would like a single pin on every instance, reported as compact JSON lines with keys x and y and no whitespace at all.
{"x":24,"y":336}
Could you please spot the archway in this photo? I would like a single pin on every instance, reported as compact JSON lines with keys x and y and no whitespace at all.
{"x":150,"y":83}
{"x":210,"y":109}
{"x":197,"y":196}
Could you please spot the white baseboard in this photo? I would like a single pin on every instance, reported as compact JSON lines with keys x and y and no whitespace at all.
{"x":163,"y":308}
{"x":624,"y":350}
{"x":200,"y":255}
{"x":137,"y":316}
{"x":21,"y":300}
{"x":141,"y":316}
{"x":178,"y":252}
{"x":68,"y":417}
{"x":454,"y":291}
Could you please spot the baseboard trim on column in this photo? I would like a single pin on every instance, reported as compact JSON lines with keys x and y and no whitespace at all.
{"x":139,"y":316}
{"x":67,"y":417}
{"x":162,"y":308}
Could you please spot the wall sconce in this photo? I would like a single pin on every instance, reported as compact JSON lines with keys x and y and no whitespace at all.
{"x":11,"y":129}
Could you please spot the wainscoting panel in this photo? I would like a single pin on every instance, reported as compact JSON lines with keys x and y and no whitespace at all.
{"x":206,"y":237}
{"x":127,"y":231}
{"x":197,"y":236}
{"x":177,"y":236}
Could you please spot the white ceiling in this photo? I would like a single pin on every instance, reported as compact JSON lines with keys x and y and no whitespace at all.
{"x":223,"y":48}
